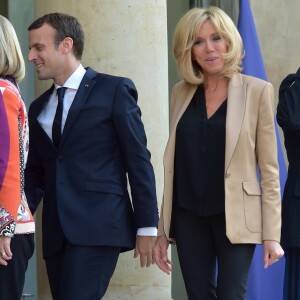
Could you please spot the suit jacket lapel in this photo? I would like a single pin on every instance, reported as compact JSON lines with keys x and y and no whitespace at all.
{"x":84,"y":89}
{"x":35,"y":111}
{"x":236,"y":104}
{"x":39,"y":104}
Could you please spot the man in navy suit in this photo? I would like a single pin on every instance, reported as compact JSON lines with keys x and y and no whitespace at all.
{"x":84,"y":144}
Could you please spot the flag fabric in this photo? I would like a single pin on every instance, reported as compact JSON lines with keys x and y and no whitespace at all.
{"x":263,"y":284}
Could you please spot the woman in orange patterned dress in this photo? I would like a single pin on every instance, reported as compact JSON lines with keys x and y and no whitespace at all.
{"x":16,"y":221}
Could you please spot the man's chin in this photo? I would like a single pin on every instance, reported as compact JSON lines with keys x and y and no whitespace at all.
{"x":42,"y":76}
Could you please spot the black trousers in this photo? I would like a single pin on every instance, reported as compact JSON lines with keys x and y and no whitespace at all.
{"x":291,"y":288}
{"x":211,"y":266}
{"x":81,"y":272}
{"x":12,"y":276}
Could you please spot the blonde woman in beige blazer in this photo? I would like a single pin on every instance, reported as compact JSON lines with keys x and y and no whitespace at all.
{"x":221,"y":132}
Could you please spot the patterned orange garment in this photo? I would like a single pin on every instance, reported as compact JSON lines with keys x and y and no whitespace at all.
{"x":15,"y":216}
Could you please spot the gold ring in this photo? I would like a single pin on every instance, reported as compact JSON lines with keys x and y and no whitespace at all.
{"x":3,"y":253}
{"x":276,"y":260}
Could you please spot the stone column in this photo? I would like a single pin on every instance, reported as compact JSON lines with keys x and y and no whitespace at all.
{"x":126,"y":38}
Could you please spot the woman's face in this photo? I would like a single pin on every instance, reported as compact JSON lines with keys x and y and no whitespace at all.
{"x":208,"y":49}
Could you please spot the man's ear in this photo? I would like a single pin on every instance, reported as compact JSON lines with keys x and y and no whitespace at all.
{"x":67,"y":45}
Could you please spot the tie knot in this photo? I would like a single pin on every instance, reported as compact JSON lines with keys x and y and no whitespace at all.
{"x":61,"y":93}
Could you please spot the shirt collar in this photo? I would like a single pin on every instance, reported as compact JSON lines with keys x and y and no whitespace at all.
{"x":74,"y":80}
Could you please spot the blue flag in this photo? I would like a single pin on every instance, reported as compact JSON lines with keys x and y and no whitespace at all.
{"x":263,"y":284}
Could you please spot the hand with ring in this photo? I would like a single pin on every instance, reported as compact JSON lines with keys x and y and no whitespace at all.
{"x":5,"y":252}
{"x":272,"y":252}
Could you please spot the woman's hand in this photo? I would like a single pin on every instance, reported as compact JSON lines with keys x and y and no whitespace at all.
{"x":160,"y":254}
{"x":272,"y":252}
{"x":5,"y":253}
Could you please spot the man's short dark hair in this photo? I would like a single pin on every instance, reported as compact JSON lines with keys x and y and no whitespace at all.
{"x":65,"y":26}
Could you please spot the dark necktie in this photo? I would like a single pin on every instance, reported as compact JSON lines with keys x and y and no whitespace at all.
{"x":56,"y":127}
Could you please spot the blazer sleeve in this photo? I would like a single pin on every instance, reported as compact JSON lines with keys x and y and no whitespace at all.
{"x":266,"y":150}
{"x":10,"y":177}
{"x":133,"y":143}
{"x":177,"y":88}
{"x":172,"y":104}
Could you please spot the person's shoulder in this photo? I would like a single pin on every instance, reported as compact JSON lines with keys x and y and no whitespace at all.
{"x":7,"y":87}
{"x":254,"y":80}
{"x":256,"y":83}
{"x":182,"y":85}
{"x":179,"y":84}
{"x":5,"y":83}
{"x":104,"y":77}
{"x":289,"y":81}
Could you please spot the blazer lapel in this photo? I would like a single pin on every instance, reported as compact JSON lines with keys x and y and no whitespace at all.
{"x":183,"y":100}
{"x":236,"y":104}
{"x":84,"y":90}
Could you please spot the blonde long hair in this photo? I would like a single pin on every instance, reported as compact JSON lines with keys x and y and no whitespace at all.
{"x":11,"y":58}
{"x":185,"y":36}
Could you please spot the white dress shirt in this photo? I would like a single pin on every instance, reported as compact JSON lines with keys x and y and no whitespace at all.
{"x":46,"y":118}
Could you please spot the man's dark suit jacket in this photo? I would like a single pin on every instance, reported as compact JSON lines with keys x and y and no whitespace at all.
{"x":84,"y":181}
{"x":288,"y":117}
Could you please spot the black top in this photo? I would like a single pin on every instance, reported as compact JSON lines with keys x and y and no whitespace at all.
{"x":200,"y":158}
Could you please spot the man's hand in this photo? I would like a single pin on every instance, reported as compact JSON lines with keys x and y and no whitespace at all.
{"x":5,"y":252}
{"x":143,"y":248}
{"x":272,"y":252}
{"x":160,"y":254}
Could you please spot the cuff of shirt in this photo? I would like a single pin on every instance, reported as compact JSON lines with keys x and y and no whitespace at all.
{"x":147,"y":231}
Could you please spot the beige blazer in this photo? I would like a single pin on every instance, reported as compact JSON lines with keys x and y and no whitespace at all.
{"x":252,"y":206}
